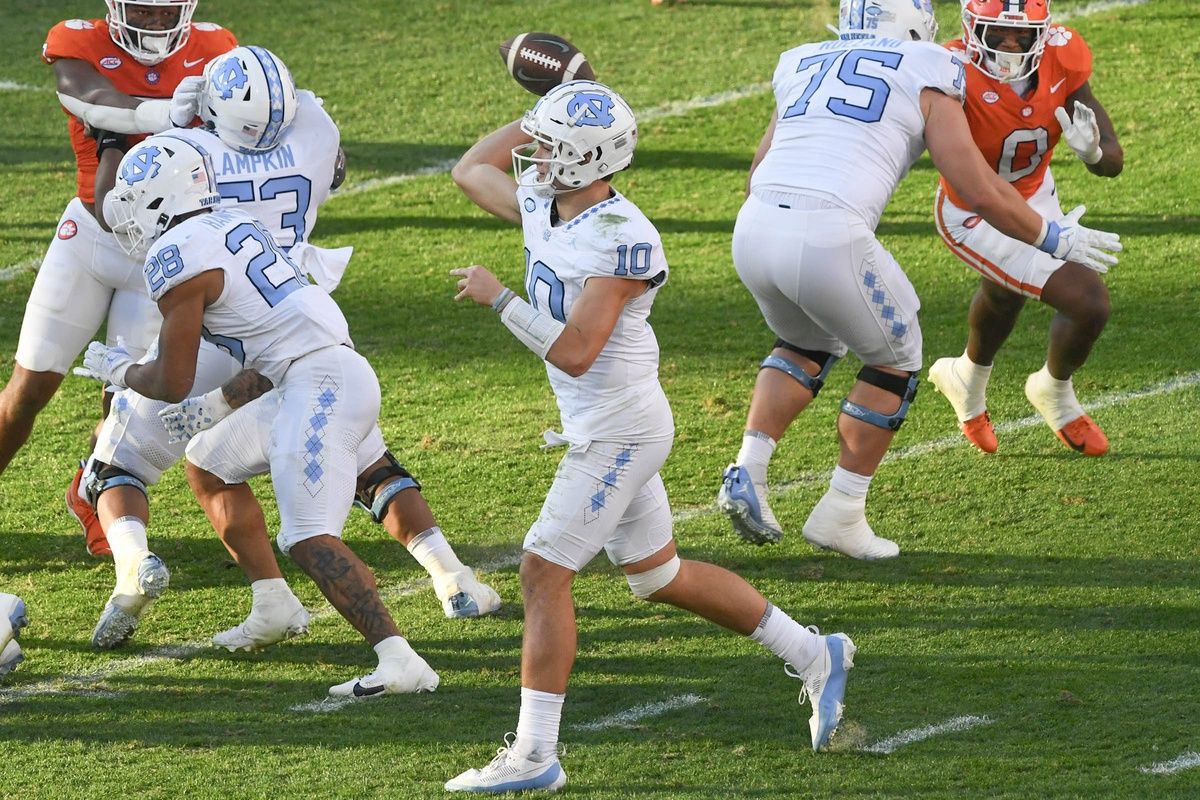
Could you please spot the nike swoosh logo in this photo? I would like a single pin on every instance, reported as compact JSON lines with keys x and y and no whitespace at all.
{"x":190,"y":64}
{"x":359,"y":691}
{"x":1055,"y":87}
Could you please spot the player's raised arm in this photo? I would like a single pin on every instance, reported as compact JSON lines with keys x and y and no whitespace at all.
{"x":484,"y":172}
{"x":1089,"y":131}
{"x":957,"y":158}
{"x":94,"y":99}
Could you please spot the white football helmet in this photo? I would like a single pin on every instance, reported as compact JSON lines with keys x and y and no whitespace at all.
{"x":249,"y":99}
{"x":589,"y":130}
{"x":906,"y":20}
{"x":146,"y":45}
{"x":159,"y":180}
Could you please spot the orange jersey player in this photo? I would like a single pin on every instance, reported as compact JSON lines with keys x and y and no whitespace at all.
{"x":135,"y":72}
{"x":1027,"y":88}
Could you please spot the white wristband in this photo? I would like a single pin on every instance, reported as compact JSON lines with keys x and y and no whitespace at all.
{"x":535,"y":330}
{"x":215,"y":403}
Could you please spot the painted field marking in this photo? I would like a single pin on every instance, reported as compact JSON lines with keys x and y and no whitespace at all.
{"x":805,"y":479}
{"x":630,"y":717}
{"x":1098,"y":7}
{"x":1185,"y":761}
{"x":20,"y":268}
{"x":77,"y":684}
{"x":894,"y":743}
{"x":13,"y":86}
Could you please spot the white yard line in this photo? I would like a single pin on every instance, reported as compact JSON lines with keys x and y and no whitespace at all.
{"x":904,"y":738}
{"x":1185,"y":761}
{"x":1098,"y":7}
{"x":13,"y":86}
{"x":28,"y":265}
{"x":632,"y":716}
{"x":76,"y":684}
{"x":1169,"y":386}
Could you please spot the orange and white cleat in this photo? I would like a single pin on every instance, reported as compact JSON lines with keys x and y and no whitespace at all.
{"x":1083,"y":435}
{"x":79,"y":508}
{"x":973,"y":419}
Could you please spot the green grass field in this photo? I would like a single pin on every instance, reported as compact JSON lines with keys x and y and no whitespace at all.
{"x":1057,"y":597}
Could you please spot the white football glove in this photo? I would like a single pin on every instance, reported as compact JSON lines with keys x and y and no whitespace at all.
{"x":185,"y":103}
{"x":195,"y":414}
{"x":1082,"y":133}
{"x":1066,"y":239}
{"x":106,"y":364}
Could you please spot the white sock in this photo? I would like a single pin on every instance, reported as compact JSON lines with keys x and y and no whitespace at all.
{"x":434,"y":553}
{"x":755,"y":455}
{"x":1066,"y":405}
{"x":537,"y":727}
{"x":973,"y":375}
{"x":393,"y":648}
{"x":127,"y":538}
{"x":850,"y":483}
{"x":786,"y":638}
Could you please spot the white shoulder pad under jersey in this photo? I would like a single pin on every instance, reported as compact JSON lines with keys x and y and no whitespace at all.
{"x":268,"y":314}
{"x":613,"y":239}
{"x":284,"y":187}
{"x":849,"y":122}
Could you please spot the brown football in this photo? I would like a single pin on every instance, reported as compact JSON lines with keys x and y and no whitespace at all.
{"x":541,"y":61}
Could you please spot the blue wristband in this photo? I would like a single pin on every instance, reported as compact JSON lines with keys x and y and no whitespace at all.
{"x":1050,"y":243}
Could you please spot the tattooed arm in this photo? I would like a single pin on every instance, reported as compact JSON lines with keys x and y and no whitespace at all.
{"x":195,"y":414}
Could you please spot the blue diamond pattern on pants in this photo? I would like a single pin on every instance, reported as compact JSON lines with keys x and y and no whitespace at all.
{"x":611,"y":478}
{"x":890,"y":315}
{"x":597,"y":501}
{"x":314,"y":471}
{"x":899,"y":329}
{"x":877,"y":297}
{"x":313,"y":445}
{"x":623,"y":457}
{"x":869,"y":280}
{"x":319,"y":421}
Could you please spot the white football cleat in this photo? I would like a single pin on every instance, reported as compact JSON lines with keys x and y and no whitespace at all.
{"x":406,"y":675}
{"x":825,"y":686}
{"x":509,"y":772}
{"x":838,"y":522}
{"x":463,"y":595}
{"x":745,"y":503}
{"x":283,"y":617}
{"x":13,"y":617}
{"x":122,"y":611}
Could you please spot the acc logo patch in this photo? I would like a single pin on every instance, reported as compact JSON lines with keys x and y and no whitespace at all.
{"x":991,"y":97}
{"x":591,"y":108}
{"x":141,"y":165}
{"x":110,"y":62}
{"x":68,"y":229}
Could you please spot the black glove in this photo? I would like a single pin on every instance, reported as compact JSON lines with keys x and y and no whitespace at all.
{"x":107,"y":140}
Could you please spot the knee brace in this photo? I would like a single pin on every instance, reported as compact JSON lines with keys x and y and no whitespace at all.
{"x":376,"y":500}
{"x":644,"y":584}
{"x":904,"y":388}
{"x":810,"y":382}
{"x":100,"y":477}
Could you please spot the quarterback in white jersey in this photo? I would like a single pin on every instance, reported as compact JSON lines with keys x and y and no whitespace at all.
{"x":851,"y":117}
{"x":594,"y":265}
{"x":219,"y":274}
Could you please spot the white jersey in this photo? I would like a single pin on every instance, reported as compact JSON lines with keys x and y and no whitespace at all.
{"x":285,"y":185}
{"x":849,"y":122}
{"x":268,"y":315}
{"x":619,"y":398}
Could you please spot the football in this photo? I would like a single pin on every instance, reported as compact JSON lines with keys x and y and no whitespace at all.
{"x":541,"y":61}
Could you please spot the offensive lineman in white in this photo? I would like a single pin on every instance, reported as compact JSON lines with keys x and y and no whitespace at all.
{"x":594,"y":264}
{"x":220,"y":274}
{"x":276,"y":153}
{"x":852,"y":115}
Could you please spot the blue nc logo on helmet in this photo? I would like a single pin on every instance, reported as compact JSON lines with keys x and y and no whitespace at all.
{"x":227,"y":76}
{"x":141,"y":165}
{"x":591,"y":108}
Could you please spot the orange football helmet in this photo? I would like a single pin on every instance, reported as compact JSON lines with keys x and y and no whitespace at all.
{"x":984,"y":26}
